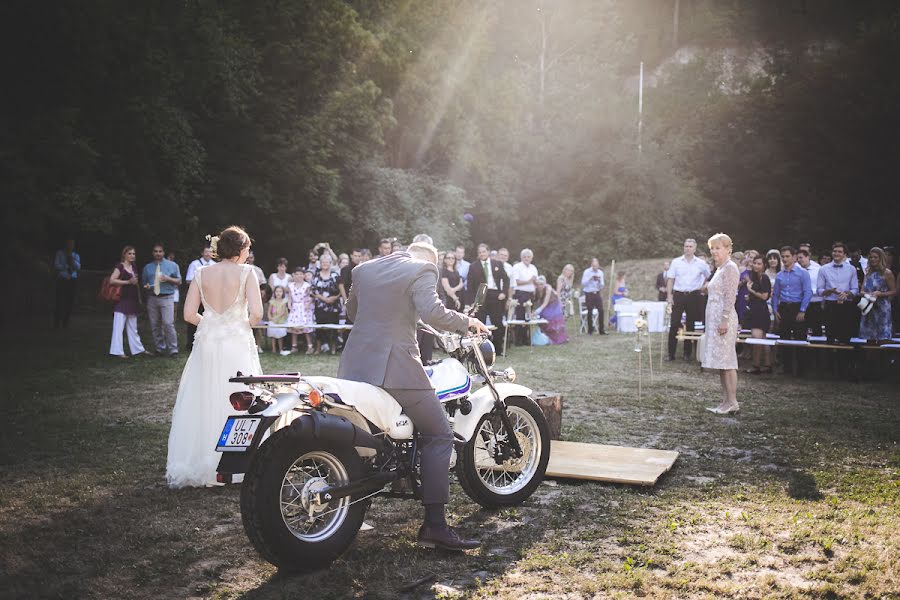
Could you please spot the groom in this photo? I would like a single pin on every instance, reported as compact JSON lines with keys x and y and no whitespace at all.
{"x":388,"y":295}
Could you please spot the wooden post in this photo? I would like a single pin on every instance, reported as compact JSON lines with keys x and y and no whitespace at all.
{"x":662,"y":343}
{"x":551,"y":404}
{"x":640,"y":372}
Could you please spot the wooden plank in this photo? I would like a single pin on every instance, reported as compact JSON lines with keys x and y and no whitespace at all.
{"x":615,"y":464}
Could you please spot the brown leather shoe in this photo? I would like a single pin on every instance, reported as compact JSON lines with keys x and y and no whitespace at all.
{"x":445,"y":538}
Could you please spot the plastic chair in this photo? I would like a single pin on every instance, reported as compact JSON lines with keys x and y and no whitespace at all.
{"x":582,"y":312}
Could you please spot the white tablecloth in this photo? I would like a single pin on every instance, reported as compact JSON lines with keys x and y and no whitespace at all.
{"x":627,"y":312}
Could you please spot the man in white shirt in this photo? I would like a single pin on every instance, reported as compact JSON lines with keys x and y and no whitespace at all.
{"x":524,"y":276}
{"x":592,"y":284}
{"x":204,"y":260}
{"x":490,"y":272}
{"x":814,"y":311}
{"x":685,"y":278}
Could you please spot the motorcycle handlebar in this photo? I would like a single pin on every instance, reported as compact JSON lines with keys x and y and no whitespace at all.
{"x":466,"y":340}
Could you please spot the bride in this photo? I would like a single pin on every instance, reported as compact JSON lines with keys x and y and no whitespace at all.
{"x":223,"y":345}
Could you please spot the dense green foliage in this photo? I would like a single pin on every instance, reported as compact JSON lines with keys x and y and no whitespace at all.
{"x":351,"y":120}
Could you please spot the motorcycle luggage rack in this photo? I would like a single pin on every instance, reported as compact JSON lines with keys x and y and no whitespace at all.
{"x":275,"y":378}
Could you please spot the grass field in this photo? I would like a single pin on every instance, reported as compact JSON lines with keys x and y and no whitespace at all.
{"x":798,"y":496}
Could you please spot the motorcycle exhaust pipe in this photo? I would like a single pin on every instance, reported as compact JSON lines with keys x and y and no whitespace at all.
{"x":367,"y":485}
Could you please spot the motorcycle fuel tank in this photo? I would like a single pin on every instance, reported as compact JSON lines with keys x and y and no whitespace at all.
{"x":450,"y":379}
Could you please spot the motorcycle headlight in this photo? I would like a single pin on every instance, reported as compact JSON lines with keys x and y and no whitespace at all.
{"x":487,"y":350}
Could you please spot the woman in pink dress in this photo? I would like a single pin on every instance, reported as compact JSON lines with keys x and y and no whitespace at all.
{"x":302,"y":313}
{"x":722,"y":323}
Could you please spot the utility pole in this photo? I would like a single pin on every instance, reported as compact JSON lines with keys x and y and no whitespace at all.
{"x":675,"y":25}
{"x":640,"y":109}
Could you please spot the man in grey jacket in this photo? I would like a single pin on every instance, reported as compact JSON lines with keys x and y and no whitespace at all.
{"x":388,"y":296}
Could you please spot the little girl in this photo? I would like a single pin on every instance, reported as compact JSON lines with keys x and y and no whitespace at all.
{"x":302,"y":310}
{"x":278,"y":314}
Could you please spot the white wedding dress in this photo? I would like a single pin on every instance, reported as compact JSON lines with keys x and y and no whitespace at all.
{"x":223,"y":346}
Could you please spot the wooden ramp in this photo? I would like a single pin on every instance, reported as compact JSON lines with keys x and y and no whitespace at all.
{"x":616,"y":464}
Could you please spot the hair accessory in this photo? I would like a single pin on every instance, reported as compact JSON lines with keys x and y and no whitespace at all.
{"x":213,"y":242}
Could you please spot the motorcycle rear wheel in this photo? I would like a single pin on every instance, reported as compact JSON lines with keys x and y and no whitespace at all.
{"x":275,"y":502}
{"x":512,"y":482}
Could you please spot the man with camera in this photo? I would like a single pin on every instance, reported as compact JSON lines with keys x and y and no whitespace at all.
{"x":592,"y":285}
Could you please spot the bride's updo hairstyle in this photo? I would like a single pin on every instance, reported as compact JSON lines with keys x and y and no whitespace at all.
{"x":231,"y":241}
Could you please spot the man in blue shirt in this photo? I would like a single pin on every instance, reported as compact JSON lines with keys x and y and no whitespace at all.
{"x":66,"y":264}
{"x":160,"y":279}
{"x":838,"y":285}
{"x":790,"y":298}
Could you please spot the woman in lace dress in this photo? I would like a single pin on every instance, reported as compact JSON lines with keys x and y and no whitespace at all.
{"x":722,"y":323}
{"x":223,"y":346}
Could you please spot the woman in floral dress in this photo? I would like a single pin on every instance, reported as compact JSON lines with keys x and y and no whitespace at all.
{"x":881,"y":284}
{"x":565,"y":289}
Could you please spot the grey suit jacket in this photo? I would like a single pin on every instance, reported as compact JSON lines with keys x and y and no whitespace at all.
{"x":389,"y":294}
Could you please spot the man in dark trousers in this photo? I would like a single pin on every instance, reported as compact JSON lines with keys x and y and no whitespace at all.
{"x":347,"y":278}
{"x":493,"y":273}
{"x":685,"y":279}
{"x":790,"y":300}
{"x":592,"y":284}
{"x":67,"y":265}
{"x":204,"y":260}
{"x":388,"y":296}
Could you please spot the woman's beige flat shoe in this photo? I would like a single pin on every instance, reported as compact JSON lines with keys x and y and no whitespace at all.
{"x":724,"y":411}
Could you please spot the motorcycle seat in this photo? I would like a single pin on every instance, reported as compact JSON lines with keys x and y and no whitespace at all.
{"x":371,"y":401}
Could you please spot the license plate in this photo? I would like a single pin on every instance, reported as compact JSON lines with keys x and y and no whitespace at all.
{"x":238,"y":434}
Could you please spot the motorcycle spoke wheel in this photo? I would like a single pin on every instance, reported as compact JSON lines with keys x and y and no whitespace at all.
{"x":310,"y":473}
{"x":514,"y":473}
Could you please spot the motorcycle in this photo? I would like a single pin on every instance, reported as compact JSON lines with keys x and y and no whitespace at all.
{"x":315,"y":451}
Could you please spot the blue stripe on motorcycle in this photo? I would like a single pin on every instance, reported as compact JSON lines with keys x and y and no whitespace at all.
{"x":463,"y":388}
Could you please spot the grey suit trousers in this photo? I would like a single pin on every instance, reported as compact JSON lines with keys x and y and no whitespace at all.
{"x":436,"y":441}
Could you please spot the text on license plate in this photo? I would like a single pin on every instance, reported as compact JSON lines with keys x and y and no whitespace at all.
{"x":238,"y":433}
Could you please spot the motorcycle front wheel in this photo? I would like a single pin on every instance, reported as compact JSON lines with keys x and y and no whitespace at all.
{"x":284,"y":523}
{"x":513,"y":480}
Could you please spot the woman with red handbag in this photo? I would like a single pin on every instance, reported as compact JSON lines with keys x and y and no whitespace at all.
{"x":126,"y":309}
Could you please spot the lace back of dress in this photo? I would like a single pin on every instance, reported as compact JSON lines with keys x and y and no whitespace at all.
{"x":238,"y":307}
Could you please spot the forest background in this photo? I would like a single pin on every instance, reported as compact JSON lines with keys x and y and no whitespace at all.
{"x":348,"y":121}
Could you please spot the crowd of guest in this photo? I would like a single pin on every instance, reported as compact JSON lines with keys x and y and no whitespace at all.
{"x":839,"y":296}
{"x":304,"y":304}
{"x":788,"y":291}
